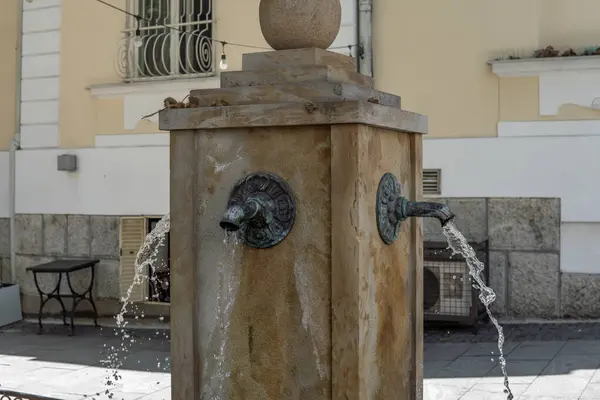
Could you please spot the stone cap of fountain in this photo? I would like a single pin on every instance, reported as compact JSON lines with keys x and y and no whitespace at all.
{"x":299,"y":87}
{"x":294,"y":85}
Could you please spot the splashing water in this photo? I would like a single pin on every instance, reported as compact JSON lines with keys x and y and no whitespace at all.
{"x":148,"y":255}
{"x":459,"y":245}
{"x":229,"y":283}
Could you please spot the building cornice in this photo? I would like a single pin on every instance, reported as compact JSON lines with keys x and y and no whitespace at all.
{"x":539,"y":66}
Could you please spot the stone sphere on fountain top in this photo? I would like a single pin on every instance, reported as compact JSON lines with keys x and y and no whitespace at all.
{"x":299,"y":24}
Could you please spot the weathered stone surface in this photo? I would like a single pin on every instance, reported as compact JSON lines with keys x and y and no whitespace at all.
{"x":78,"y":228}
{"x":471,"y":217}
{"x":300,"y":309}
{"x":4,"y":269}
{"x":524,"y":223}
{"x":105,"y":236}
{"x":580,"y":295}
{"x":432,"y":231}
{"x":47,"y":282}
{"x":498,"y":269}
{"x":29,"y":234}
{"x":55,"y":234}
{"x":534,"y":282}
{"x":80,"y":280}
{"x":107,"y":279}
{"x":4,"y":236}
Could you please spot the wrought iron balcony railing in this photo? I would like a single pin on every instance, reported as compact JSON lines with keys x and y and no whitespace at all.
{"x":173,"y":40}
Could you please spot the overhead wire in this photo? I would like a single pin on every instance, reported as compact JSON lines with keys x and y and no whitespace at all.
{"x":209,"y":38}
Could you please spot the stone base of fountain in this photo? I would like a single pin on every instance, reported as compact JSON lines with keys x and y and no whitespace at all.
{"x":331,"y":311}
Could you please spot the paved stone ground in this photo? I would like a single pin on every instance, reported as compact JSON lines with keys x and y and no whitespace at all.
{"x":516,"y":332}
{"x":75,"y":368}
{"x":545,"y":362}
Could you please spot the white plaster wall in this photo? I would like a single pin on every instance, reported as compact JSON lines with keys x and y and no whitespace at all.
{"x":40,"y":74}
{"x":533,"y":166}
{"x":568,"y":87}
{"x":131,"y":179}
{"x":580,"y":247}
{"x":565,"y":167}
{"x":539,"y":158}
{"x":4,"y":185}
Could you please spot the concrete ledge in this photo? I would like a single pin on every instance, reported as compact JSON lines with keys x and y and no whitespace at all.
{"x":293,"y":114}
{"x":539,"y":66}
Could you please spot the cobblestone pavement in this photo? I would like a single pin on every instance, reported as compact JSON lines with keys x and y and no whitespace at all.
{"x":544,"y":362}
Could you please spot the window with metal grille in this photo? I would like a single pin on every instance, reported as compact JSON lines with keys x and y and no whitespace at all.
{"x":432,"y":181}
{"x":175,"y":39}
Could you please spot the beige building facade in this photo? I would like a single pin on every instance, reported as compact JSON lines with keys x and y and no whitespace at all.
{"x":527,"y":128}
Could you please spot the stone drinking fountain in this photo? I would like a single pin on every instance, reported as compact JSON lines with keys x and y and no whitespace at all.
{"x":313,"y":169}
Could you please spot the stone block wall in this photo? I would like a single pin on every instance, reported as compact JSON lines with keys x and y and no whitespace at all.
{"x":43,"y":238}
{"x":523,"y":234}
{"x":524,"y":260}
{"x":4,"y":249}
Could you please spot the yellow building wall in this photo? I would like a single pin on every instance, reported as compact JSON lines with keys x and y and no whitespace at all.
{"x":569,"y":23}
{"x":91,"y":59}
{"x":562,"y":24}
{"x":519,"y":101}
{"x":9,"y":18}
{"x":432,"y":53}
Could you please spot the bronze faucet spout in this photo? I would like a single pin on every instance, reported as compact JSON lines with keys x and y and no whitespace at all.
{"x":261,"y":208}
{"x":236,"y":216}
{"x":392,"y":209}
{"x":441,"y":212}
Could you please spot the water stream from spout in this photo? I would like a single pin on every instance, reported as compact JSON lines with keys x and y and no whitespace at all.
{"x":215,"y":369}
{"x":228,"y":285}
{"x":459,"y":245}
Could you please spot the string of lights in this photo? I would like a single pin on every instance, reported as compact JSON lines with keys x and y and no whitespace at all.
{"x":138,"y":41}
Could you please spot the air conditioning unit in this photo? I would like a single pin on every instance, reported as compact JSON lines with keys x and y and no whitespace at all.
{"x":448,"y":293}
{"x":446,"y":288}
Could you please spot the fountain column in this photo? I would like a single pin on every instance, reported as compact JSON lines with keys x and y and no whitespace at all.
{"x":328,"y":310}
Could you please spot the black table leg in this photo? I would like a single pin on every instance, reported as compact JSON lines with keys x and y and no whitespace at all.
{"x":91,"y":297}
{"x":79,"y":297}
{"x":59,"y":298}
{"x":44,"y":297}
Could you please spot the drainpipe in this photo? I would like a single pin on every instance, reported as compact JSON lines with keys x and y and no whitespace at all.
{"x":365,"y":43}
{"x":15,"y":145}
